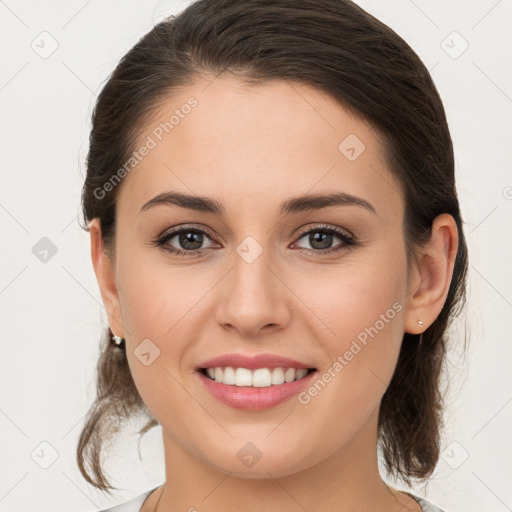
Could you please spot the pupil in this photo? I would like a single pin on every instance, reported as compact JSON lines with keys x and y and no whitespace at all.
{"x":190,"y":237}
{"x":322,"y":237}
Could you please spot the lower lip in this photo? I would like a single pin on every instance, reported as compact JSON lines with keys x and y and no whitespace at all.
{"x":255,"y":399}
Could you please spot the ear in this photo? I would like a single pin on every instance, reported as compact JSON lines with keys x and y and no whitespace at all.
{"x":431,"y":275}
{"x":104,"y":269}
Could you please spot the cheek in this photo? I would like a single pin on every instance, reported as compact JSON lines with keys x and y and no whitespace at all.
{"x":365,"y":322}
{"x":158,"y":311}
{"x":164,"y":313}
{"x":352,"y":297}
{"x":154,"y":298}
{"x":361,"y":312}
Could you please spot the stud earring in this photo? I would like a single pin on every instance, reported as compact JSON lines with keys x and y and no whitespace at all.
{"x":420,"y":323}
{"x":118,"y":341}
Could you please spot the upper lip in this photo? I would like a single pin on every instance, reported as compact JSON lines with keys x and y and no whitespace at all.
{"x":253,"y":362}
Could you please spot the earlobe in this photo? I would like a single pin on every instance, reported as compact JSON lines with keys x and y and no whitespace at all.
{"x":430,"y":281}
{"x":105,"y":275}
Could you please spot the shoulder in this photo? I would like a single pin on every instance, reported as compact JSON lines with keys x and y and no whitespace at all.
{"x":425,"y":505}
{"x":133,"y":505}
{"x":136,"y":503}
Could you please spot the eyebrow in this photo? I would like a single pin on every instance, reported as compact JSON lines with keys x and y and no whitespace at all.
{"x":293,"y":205}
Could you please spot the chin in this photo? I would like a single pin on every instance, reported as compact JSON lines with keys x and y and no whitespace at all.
{"x":248,"y":462}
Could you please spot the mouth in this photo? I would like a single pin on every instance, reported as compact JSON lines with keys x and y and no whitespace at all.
{"x":257,"y":388}
{"x":257,"y":377}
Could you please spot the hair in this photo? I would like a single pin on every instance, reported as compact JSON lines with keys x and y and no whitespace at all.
{"x":340,"y":49}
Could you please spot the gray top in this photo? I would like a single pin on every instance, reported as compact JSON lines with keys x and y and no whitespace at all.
{"x":136,"y":503}
{"x":133,"y":505}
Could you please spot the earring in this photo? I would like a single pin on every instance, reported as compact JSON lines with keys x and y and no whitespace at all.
{"x":420,"y":323}
{"x":118,"y":341}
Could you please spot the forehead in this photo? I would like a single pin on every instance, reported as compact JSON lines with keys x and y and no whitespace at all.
{"x":254,"y":145}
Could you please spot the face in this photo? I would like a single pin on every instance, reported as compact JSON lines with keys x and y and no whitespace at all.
{"x":324,"y":286}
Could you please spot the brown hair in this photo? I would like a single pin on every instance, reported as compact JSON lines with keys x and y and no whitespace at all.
{"x":336,"y":47}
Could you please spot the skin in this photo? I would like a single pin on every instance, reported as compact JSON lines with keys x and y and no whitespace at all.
{"x":253,"y":147}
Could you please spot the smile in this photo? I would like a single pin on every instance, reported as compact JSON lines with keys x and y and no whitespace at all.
{"x":258,"y":378}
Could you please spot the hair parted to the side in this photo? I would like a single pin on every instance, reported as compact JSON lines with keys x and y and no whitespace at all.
{"x":338,"y":48}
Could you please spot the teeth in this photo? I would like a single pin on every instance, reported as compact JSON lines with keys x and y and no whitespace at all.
{"x":259,"y":378}
{"x":243,"y":377}
{"x":228,"y":376}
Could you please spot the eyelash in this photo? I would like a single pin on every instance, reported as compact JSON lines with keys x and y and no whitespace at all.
{"x":347,"y":240}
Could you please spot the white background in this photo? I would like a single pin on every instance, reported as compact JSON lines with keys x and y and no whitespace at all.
{"x":52,"y":315}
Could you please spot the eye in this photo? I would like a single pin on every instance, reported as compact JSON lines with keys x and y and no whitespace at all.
{"x":191,"y":239}
{"x":188,"y":239}
{"x":321,"y":238}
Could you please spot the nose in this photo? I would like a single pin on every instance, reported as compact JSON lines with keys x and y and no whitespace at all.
{"x":255,"y":300}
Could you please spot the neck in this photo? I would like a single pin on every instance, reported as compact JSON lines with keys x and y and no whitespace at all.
{"x":343,"y":481}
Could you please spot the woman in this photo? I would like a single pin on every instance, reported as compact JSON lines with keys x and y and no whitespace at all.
{"x":277,"y":238}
